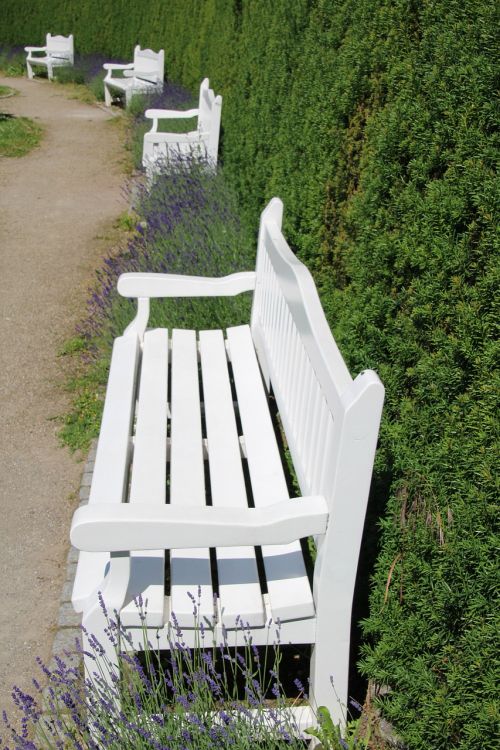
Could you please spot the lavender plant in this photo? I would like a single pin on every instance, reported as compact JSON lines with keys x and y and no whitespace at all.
{"x":173,"y":96}
{"x":181,"y":700}
{"x":188,"y":223}
{"x":87,"y":70}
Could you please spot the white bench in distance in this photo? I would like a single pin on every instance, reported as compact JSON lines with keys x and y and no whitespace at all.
{"x":158,"y":147}
{"x":58,"y":51}
{"x":144,"y":75}
{"x":134,"y":517}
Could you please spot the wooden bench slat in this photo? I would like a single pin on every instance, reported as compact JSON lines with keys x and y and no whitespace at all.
{"x":288,"y":585}
{"x":239,"y":586}
{"x":113,"y":454}
{"x":189,"y":568}
{"x":149,"y":476}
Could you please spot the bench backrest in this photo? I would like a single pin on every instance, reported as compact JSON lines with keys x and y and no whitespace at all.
{"x":209,"y":117}
{"x":60,"y":46}
{"x":330,"y":420}
{"x":149,"y":65}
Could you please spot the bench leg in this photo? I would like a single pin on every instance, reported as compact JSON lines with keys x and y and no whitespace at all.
{"x":30,"y":70}
{"x":328,"y":679}
{"x":329,"y":674}
{"x":107,"y":96}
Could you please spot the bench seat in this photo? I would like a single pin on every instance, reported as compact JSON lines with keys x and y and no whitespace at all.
{"x":202,"y":433}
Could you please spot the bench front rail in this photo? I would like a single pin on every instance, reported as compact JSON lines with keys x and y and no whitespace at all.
{"x":189,"y":475}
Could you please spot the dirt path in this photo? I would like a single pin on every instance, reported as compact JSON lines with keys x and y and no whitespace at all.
{"x":56,"y":205}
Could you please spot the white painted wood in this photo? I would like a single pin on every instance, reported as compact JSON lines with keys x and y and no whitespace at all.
{"x":316,"y":415}
{"x":189,"y":568}
{"x":110,"y":473}
{"x":289,"y":590}
{"x":58,"y":51}
{"x":239,"y":586}
{"x":203,"y":141}
{"x":174,"y":285}
{"x":347,"y":479}
{"x":291,"y":631}
{"x":169,"y":114}
{"x":144,"y":75}
{"x":148,"y":526}
{"x":148,"y":482}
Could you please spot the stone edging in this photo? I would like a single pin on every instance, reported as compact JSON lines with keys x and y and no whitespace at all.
{"x":69,"y":621}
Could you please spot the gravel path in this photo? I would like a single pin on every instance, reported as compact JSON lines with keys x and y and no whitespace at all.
{"x":56,"y":208}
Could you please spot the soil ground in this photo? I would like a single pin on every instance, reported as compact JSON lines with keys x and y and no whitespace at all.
{"x":57,"y":205}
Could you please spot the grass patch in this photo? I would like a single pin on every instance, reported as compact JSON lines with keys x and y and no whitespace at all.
{"x":7,"y":91}
{"x":79,"y":91}
{"x":18,"y":135}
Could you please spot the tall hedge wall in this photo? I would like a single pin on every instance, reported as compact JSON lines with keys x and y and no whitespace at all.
{"x":374,"y":120}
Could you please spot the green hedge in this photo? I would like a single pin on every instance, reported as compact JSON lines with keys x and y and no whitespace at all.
{"x":374,"y":120}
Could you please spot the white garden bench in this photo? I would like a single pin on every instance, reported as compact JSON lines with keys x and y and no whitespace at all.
{"x":156,"y":425}
{"x":142,"y":76}
{"x":159,"y":147}
{"x":58,"y":51}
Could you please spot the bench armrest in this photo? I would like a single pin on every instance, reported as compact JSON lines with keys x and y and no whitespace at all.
{"x":176,"y":285}
{"x":35,"y":49}
{"x":121,"y":528}
{"x":170,"y":114}
{"x":118,"y":66}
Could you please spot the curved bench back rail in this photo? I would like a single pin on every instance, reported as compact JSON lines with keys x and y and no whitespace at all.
{"x":331,"y":421}
{"x":145,"y":74}
{"x":160,"y":147}
{"x":58,"y":51}
{"x":184,"y":398}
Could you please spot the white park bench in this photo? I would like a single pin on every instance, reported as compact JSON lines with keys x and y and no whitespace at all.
{"x":58,"y":51}
{"x":142,"y":76}
{"x":159,"y":147}
{"x":155,"y":424}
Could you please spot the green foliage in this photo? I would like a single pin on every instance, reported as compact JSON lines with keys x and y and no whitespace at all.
{"x":375,"y":121}
{"x":331,"y":736}
{"x":82,"y":423}
{"x":18,"y":135}
{"x":12,"y":62}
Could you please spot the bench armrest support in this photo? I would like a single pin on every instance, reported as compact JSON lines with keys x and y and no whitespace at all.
{"x":125,"y":527}
{"x":177,"y":285}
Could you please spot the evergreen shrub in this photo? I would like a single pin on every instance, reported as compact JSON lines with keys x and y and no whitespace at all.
{"x":375,"y":122}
